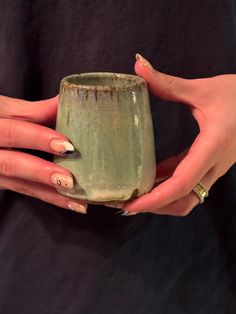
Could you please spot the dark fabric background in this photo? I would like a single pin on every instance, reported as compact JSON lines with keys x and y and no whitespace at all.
{"x":57,"y":261}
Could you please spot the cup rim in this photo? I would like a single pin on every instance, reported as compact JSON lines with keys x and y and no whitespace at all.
{"x":135,"y":81}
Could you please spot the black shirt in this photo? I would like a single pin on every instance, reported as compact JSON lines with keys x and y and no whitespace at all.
{"x":56,"y":261}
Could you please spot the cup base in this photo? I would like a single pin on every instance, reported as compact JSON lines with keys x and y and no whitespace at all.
{"x":103,"y":197}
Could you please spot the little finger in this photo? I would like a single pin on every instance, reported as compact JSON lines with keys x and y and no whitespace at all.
{"x":42,"y":192}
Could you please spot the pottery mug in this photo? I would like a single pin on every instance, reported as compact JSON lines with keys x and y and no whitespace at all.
{"x":107,"y":118}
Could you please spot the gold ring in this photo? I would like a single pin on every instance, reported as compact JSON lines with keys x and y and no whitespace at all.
{"x":201,"y":192}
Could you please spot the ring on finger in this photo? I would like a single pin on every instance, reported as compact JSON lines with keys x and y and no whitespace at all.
{"x":201,"y":191}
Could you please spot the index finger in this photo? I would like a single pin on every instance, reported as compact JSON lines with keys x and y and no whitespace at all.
{"x":23,"y":134}
{"x":42,"y":112}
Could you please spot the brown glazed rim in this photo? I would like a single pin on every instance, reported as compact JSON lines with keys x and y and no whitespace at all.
{"x":131,"y":81}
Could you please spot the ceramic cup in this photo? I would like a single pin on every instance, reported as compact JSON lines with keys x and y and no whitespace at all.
{"x":107,"y":118}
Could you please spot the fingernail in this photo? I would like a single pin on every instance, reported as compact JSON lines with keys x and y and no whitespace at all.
{"x":126,"y":213}
{"x":62,"y":147}
{"x":76,"y":207}
{"x":143,"y":61}
{"x":62,"y":180}
{"x":115,"y":205}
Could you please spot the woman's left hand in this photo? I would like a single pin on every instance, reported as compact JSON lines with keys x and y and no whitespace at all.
{"x":212,"y":102}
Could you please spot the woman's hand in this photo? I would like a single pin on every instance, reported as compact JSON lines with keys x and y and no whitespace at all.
{"x":212,"y":102}
{"x":20,"y":127}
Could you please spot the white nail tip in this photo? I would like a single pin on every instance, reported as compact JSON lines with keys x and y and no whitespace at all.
{"x":68,"y":146}
{"x":62,"y":146}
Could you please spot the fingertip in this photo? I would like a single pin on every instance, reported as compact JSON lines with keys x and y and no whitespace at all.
{"x":141,"y":70}
{"x":50,"y":101}
{"x":138,"y":68}
{"x":77,"y":206}
{"x":132,"y":206}
{"x":55,"y":99}
{"x":144,"y":62}
{"x":53,"y":102}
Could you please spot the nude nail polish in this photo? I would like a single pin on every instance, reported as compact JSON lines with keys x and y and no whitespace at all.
{"x":79,"y":208}
{"x":62,"y":181}
{"x":114,"y":205}
{"x":62,"y":147}
{"x":143,"y":61}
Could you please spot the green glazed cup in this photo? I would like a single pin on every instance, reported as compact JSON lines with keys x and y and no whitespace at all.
{"x":107,"y":118}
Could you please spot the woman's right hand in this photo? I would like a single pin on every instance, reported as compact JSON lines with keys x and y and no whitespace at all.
{"x":21,"y":126}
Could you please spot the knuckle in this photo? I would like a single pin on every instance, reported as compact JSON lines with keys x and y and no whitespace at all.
{"x":9,"y":137}
{"x":7,"y":167}
{"x":170,"y":80}
{"x":183,"y":188}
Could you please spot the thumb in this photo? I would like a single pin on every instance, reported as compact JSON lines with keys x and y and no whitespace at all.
{"x":165,"y":86}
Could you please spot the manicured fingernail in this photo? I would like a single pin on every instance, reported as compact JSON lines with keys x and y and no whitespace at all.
{"x":126,"y":213}
{"x":115,"y":205}
{"x":143,"y":61}
{"x":62,"y":180}
{"x":62,"y":147}
{"x":79,"y":208}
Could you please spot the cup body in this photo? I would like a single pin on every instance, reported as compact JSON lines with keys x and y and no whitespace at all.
{"x":107,"y":118}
